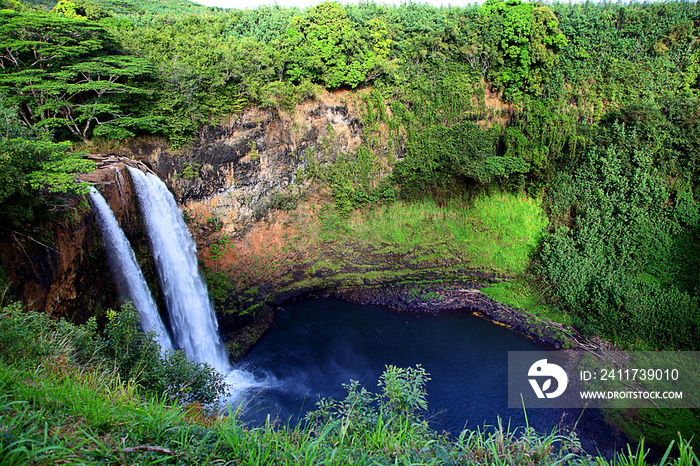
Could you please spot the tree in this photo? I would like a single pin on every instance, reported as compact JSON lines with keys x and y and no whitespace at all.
{"x":326,"y":48}
{"x":84,"y":9}
{"x":528,"y":40}
{"x":67,"y":9}
{"x":63,"y":72}
{"x":33,"y":169}
{"x":91,"y":95}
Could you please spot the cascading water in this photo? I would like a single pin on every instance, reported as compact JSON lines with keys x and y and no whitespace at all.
{"x":126,"y":271}
{"x":192,"y":318}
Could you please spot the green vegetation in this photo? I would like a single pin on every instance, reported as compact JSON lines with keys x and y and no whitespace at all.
{"x":557,"y":144}
{"x":60,"y":405}
{"x":624,"y":262}
{"x":123,"y":349}
{"x":529,"y":41}
{"x":499,"y":231}
{"x":326,"y":48}
{"x":66,"y":73}
{"x":32,"y":163}
{"x":521,"y":294}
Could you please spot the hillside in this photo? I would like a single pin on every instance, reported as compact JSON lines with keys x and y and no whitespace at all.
{"x":545,"y":155}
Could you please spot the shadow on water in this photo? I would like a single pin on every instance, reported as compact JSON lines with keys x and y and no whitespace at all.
{"x":315,"y":346}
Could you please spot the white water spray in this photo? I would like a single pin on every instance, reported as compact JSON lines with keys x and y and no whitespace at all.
{"x":126,"y":271}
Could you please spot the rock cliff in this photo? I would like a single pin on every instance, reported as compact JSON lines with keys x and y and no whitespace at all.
{"x":61,"y":268}
{"x":235,"y":171}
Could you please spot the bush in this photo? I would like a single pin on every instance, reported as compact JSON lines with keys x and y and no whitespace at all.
{"x":172,"y":374}
{"x":619,"y":252}
{"x":396,"y":407}
{"x":27,"y":337}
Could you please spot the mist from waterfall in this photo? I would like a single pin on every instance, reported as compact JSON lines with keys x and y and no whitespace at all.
{"x":126,"y":271}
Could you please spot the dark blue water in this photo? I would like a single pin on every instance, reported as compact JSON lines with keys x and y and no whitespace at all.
{"x":315,"y":346}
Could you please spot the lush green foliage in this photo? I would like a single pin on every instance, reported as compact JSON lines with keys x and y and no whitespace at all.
{"x":172,"y":375}
{"x":27,"y":337}
{"x":442,"y":155}
{"x":189,"y":68}
{"x":31,"y":164}
{"x":527,"y":37}
{"x":595,"y":106}
{"x":623,"y":253}
{"x":63,"y":72}
{"x":499,"y":232}
{"x":326,"y":48}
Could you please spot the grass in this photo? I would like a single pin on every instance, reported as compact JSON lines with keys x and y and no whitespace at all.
{"x":148,"y":432}
{"x":520,"y":294}
{"x":658,"y":424}
{"x":499,"y":231}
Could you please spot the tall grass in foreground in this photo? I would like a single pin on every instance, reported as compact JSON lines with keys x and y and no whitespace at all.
{"x":55,"y":409}
{"x":498,"y":231}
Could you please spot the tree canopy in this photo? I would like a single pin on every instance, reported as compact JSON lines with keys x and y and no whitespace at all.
{"x":327,"y":48}
{"x":34,"y":169}
{"x":66,"y":73}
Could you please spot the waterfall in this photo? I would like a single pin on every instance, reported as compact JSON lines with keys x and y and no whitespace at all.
{"x":126,"y":271}
{"x":192,"y":318}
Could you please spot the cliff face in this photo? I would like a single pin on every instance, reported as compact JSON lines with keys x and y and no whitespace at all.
{"x":235,"y":171}
{"x":234,"y":178}
{"x":62,"y":269}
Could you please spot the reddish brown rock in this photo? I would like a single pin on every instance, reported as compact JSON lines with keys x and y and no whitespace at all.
{"x":60,"y":267}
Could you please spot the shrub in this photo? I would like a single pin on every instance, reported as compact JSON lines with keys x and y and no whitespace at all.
{"x":619,"y":252}
{"x":395,"y":409}
{"x":27,"y":337}
{"x":172,"y":374}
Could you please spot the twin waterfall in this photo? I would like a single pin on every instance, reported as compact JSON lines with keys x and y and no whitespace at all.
{"x":193,"y":324}
{"x":192,"y":316}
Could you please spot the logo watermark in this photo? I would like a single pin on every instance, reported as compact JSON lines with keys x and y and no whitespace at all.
{"x":541,"y":369}
{"x":605,"y":379}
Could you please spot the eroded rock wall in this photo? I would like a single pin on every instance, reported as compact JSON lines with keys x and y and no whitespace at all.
{"x":234,"y":183}
{"x":234,"y":171}
{"x":62,"y":268}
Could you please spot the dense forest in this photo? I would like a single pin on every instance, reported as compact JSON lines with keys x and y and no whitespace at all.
{"x":598,"y":113}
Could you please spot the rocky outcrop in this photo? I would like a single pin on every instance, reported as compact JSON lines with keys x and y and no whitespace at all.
{"x":113,"y":181}
{"x":235,"y":171}
{"x":62,"y":268}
